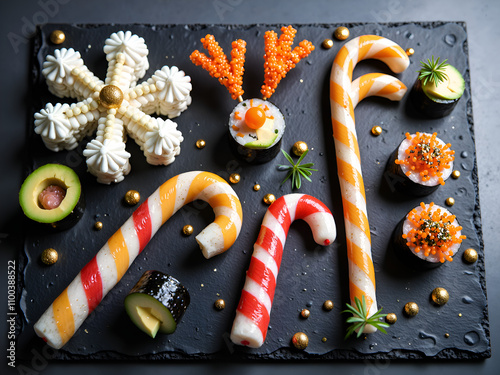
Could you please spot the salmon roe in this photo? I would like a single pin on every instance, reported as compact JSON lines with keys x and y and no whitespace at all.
{"x":427,"y":156}
{"x":433,"y":232}
{"x":255,"y":117}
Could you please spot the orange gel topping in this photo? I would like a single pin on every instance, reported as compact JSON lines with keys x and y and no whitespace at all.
{"x":235,"y":128}
{"x":434,"y":233}
{"x":237,"y":115}
{"x":240,"y":135}
{"x":255,"y":118}
{"x":427,"y":156}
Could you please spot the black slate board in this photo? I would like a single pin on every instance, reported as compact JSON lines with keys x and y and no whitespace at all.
{"x":309,"y":274}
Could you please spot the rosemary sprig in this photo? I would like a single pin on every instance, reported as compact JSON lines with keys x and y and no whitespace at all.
{"x":296,"y":171}
{"x":360,"y":318}
{"x":432,"y":70}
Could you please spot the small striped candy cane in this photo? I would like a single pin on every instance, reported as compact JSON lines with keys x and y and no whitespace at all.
{"x":253,"y":312}
{"x":344,"y":96}
{"x":66,"y":314}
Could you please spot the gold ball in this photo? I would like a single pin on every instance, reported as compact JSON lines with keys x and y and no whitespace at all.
{"x":324,"y":339}
{"x":328,"y":305}
{"x":470,"y":255}
{"x":220,"y":304}
{"x":300,"y":340}
{"x":269,"y":199}
{"x":446,"y":335}
{"x":327,"y":43}
{"x":455,"y":174}
{"x":256,"y":187}
{"x":200,"y":143}
{"x":341,"y":33}
{"x":234,"y":178}
{"x":450,"y":201}
{"x":411,"y":309}
{"x":98,"y":225}
{"x":57,"y":37}
{"x":49,"y":256}
{"x":305,"y":313}
{"x":391,"y":318}
{"x":299,"y":148}
{"x":410,"y":51}
{"x":440,"y":296}
{"x":187,"y":230}
{"x":111,"y":96}
{"x":132,"y":197}
{"x":377,"y":130}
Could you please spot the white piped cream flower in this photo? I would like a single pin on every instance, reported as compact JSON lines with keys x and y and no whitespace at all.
{"x":172,"y":83}
{"x":164,"y":140}
{"x":57,"y":68}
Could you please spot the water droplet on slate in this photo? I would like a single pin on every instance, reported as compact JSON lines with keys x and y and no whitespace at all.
{"x":468,"y":273}
{"x":464,"y":154}
{"x":309,"y":303}
{"x":464,"y":167}
{"x":461,"y":192}
{"x":423,"y":335}
{"x":471,"y":338}
{"x":467,"y":299}
{"x":321,"y":153}
{"x":377,"y":32}
{"x":450,"y":39}
{"x":409,"y":35}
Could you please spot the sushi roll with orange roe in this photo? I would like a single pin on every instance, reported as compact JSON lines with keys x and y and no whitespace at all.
{"x":420,"y":164}
{"x":428,"y":236}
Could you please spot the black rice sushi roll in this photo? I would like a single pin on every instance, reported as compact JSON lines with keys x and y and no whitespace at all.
{"x":256,"y":129}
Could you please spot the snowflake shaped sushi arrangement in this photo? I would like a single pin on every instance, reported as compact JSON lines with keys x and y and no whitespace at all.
{"x":117,"y":107}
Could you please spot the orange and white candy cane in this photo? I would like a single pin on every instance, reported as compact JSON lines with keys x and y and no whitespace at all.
{"x":344,"y":96}
{"x":66,"y":314}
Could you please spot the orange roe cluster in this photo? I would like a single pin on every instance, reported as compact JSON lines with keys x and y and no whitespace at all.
{"x":427,"y":156}
{"x":434,"y":233}
{"x":229,"y":74}
{"x":279,"y":58}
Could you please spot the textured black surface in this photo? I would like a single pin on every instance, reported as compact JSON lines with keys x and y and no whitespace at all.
{"x":309,"y":274}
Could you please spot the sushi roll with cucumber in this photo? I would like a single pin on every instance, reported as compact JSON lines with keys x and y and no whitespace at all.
{"x":256,"y":128}
{"x":437,"y":89}
{"x":428,"y":236}
{"x":420,"y":164}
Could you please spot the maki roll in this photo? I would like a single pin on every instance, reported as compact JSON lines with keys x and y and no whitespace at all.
{"x":428,"y":236}
{"x":256,"y":128}
{"x":420,"y":164}
{"x":437,"y":89}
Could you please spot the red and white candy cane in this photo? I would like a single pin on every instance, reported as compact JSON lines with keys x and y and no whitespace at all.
{"x":253,"y":312}
{"x":61,"y":320}
{"x":344,"y":96}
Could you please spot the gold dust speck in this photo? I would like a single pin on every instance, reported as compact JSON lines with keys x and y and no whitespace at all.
{"x":341,"y":33}
{"x":234,"y":178}
{"x":269,"y":199}
{"x":200,"y":143}
{"x":446,"y":335}
{"x":98,"y":225}
{"x":455,"y":174}
{"x":410,"y":51}
{"x":470,"y":255}
{"x":327,"y":44}
{"x":324,"y":339}
{"x":450,"y":201}
{"x":377,"y":130}
{"x":460,"y":315}
{"x":256,"y":187}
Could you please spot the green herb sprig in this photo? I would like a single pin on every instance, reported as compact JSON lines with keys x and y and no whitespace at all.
{"x":360,"y":318}
{"x":432,"y":71}
{"x":296,"y":171}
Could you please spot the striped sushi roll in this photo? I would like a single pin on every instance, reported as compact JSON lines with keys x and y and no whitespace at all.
{"x":61,"y":320}
{"x":344,"y":96}
{"x":253,"y":312}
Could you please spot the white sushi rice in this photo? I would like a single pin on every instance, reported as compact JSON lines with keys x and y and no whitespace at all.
{"x":241,"y":133}
{"x":415,"y":177}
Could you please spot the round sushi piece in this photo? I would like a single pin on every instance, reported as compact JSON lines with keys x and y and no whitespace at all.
{"x":256,"y":128}
{"x":428,"y":236}
{"x":420,"y":164}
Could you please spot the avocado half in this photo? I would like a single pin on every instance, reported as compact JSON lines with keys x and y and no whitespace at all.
{"x":72,"y":206}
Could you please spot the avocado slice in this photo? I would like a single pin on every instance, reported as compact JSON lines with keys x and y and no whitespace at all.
{"x":451,"y":88}
{"x":70,"y":209}
{"x":266,"y":135}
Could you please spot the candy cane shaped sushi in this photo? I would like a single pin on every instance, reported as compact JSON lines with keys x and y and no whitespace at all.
{"x":253,"y":311}
{"x":344,"y":96}
{"x":61,"y":320}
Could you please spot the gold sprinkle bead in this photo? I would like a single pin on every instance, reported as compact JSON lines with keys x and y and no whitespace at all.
{"x":269,"y":199}
{"x":300,"y":340}
{"x":305,"y":313}
{"x":49,"y":256}
{"x":132,"y":197}
{"x":327,"y":44}
{"x":111,"y":96}
{"x":470,"y":255}
{"x":220,"y":304}
{"x":450,"y":201}
{"x":411,"y":309}
{"x":328,"y":305}
{"x":200,"y":143}
{"x":234,"y":178}
{"x":391,"y":318}
{"x":187,"y":230}
{"x":410,"y":51}
{"x":440,"y":296}
{"x":98,"y":225}
{"x":324,"y":339}
{"x":299,"y":148}
{"x":455,"y":174}
{"x":341,"y":33}
{"x":256,"y":187}
{"x":460,"y":315}
{"x":57,"y":37}
{"x":377,"y":130}
{"x":446,"y":335}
